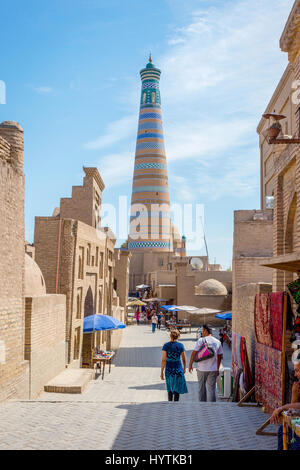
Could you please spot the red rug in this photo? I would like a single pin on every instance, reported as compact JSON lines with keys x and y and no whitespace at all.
{"x":276,"y":314}
{"x":262,"y":319}
{"x":268,"y":377}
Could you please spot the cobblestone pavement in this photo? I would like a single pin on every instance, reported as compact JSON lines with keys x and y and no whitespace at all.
{"x":128,"y":410}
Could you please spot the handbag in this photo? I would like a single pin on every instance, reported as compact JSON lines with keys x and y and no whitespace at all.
{"x":205,"y":352}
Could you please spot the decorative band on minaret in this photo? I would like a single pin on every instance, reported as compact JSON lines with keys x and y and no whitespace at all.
{"x":150,"y":223}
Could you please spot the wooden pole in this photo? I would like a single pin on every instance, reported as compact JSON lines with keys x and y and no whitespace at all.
{"x":285,"y":434}
{"x":241,"y":402}
{"x":261,"y":432}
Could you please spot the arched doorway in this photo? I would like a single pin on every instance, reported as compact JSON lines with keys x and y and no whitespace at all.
{"x":89,"y":308}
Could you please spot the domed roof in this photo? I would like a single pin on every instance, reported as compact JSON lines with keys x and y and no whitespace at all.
{"x":150,"y":66}
{"x":211,"y":287}
{"x":34,"y":280}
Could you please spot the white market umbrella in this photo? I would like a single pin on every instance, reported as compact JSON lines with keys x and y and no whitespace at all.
{"x":196,"y":310}
{"x":206,"y":311}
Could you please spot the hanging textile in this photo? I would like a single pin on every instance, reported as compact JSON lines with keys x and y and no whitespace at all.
{"x":268,"y":377}
{"x":247,"y":376}
{"x":236,"y":350}
{"x":240,"y":366}
{"x":276,"y":315}
{"x":236,"y":386}
{"x":262,"y":319}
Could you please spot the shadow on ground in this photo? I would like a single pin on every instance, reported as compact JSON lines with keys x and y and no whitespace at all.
{"x":191,"y":426}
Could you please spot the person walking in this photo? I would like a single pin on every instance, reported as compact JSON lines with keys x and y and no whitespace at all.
{"x":174,"y":365}
{"x":154,"y":321}
{"x":159,"y":315}
{"x":137,"y":316}
{"x":207,"y":369}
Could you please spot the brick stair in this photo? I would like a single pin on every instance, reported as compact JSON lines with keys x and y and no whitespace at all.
{"x":70,"y":381}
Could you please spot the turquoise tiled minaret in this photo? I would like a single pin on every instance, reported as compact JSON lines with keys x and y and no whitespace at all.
{"x":150,"y":179}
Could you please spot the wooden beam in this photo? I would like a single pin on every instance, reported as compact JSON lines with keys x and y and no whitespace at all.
{"x":261,"y":432}
{"x":241,"y":402}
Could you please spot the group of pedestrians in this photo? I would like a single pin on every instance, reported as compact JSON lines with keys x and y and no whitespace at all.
{"x":153,"y":317}
{"x":206,"y":358}
{"x":156,"y":321}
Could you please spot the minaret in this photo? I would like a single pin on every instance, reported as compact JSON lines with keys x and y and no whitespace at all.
{"x":150,"y":224}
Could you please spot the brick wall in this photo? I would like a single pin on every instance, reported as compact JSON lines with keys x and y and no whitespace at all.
{"x":243,"y":314}
{"x":45,"y":342}
{"x":77,"y":260}
{"x":85,"y":201}
{"x":13,"y":367}
{"x":187,"y":280}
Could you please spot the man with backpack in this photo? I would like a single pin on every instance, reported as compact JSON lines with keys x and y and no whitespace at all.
{"x":208,"y":354}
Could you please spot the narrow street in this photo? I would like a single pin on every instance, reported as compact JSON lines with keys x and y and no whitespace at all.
{"x":128,"y":410}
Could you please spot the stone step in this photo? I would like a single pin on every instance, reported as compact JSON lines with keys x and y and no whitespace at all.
{"x":70,"y":381}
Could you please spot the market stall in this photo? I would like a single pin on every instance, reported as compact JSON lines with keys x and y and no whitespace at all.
{"x":226,"y":331}
{"x":273,"y":317}
{"x":137,"y":303}
{"x":291,"y":421}
{"x":93,"y":355}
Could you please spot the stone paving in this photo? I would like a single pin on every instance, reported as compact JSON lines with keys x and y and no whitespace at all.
{"x":128,"y":410}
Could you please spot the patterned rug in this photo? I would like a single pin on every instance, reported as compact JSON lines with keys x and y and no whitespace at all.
{"x":276,"y":313}
{"x":248,"y":381}
{"x":268,"y":377}
{"x":262,"y":319}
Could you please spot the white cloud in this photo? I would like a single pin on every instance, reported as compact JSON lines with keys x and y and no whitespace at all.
{"x":202,"y":139}
{"x":44,"y":90}
{"x":238,"y":177}
{"x":233,"y":45}
{"x":116,"y":168}
{"x":218,"y":72}
{"x":116,"y":131}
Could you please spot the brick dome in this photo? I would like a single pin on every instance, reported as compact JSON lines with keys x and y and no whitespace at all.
{"x":211,"y":287}
{"x":34,"y":280}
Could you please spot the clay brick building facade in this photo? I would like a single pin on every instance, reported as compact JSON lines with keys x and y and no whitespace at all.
{"x":203,"y":287}
{"x":32,"y":324}
{"x":275,"y":237}
{"x":252,"y":245}
{"x":286,"y":167}
{"x":14,"y":370}
{"x":76,"y":257}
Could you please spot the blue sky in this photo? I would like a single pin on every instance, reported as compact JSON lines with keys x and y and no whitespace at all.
{"x":71,"y":69}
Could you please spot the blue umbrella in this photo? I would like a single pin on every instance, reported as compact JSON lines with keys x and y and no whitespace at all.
{"x":224,"y":316}
{"x":169,"y":307}
{"x":101,"y":323}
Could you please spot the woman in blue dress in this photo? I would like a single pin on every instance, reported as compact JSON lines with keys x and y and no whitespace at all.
{"x":173,"y":354}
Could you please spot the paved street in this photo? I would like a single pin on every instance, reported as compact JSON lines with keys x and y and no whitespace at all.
{"x":128,"y":410}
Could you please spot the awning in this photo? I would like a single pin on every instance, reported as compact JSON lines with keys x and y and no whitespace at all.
{"x":142,"y":286}
{"x":169,"y":308}
{"x":196,"y":310}
{"x":101,"y":323}
{"x":224,"y":316}
{"x":156,"y":299}
{"x":289,"y":262}
{"x":135,"y":303}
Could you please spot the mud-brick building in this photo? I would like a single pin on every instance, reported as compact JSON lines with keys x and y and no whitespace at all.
{"x":14,"y":369}
{"x":286,"y":172}
{"x":273,"y":239}
{"x":76,"y":257}
{"x":32,"y":324}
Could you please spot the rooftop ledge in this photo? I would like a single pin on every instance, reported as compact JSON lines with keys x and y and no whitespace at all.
{"x":289,"y":262}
